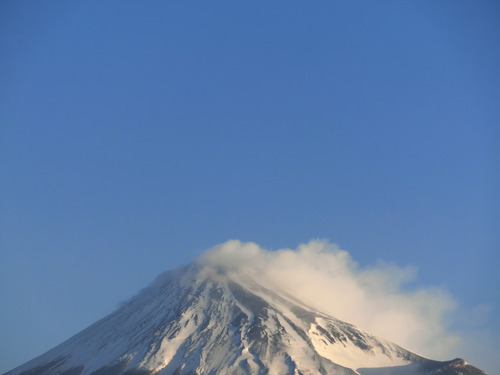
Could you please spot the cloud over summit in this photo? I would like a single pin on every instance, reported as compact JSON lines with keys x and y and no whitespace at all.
{"x":373,"y":298}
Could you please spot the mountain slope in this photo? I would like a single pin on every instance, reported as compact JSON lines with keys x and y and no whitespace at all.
{"x":208,"y":320}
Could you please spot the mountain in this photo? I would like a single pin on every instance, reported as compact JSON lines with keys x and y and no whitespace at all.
{"x":211,"y":320}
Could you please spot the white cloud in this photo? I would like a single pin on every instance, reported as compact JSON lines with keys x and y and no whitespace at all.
{"x":372,"y":298}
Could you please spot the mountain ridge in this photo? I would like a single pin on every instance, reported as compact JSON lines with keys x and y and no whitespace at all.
{"x":203,"y":319}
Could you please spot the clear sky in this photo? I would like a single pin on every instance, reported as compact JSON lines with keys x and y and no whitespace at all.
{"x":133,"y":135}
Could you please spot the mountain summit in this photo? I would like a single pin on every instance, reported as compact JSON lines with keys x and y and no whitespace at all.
{"x":211,"y":319}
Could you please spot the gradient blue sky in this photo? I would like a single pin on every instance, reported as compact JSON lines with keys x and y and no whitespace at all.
{"x":136,"y":134}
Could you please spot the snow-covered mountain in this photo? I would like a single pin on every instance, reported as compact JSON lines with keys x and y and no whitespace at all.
{"x":204,"y":319}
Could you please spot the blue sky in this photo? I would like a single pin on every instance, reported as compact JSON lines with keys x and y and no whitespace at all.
{"x":135,"y":135}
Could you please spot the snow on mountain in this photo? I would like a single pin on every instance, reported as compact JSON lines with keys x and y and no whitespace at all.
{"x":204,"y":319}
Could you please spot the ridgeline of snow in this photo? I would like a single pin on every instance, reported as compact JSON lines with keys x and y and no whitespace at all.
{"x":216,"y":318}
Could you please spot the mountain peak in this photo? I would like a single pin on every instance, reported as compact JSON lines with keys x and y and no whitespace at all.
{"x":220,"y":315}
